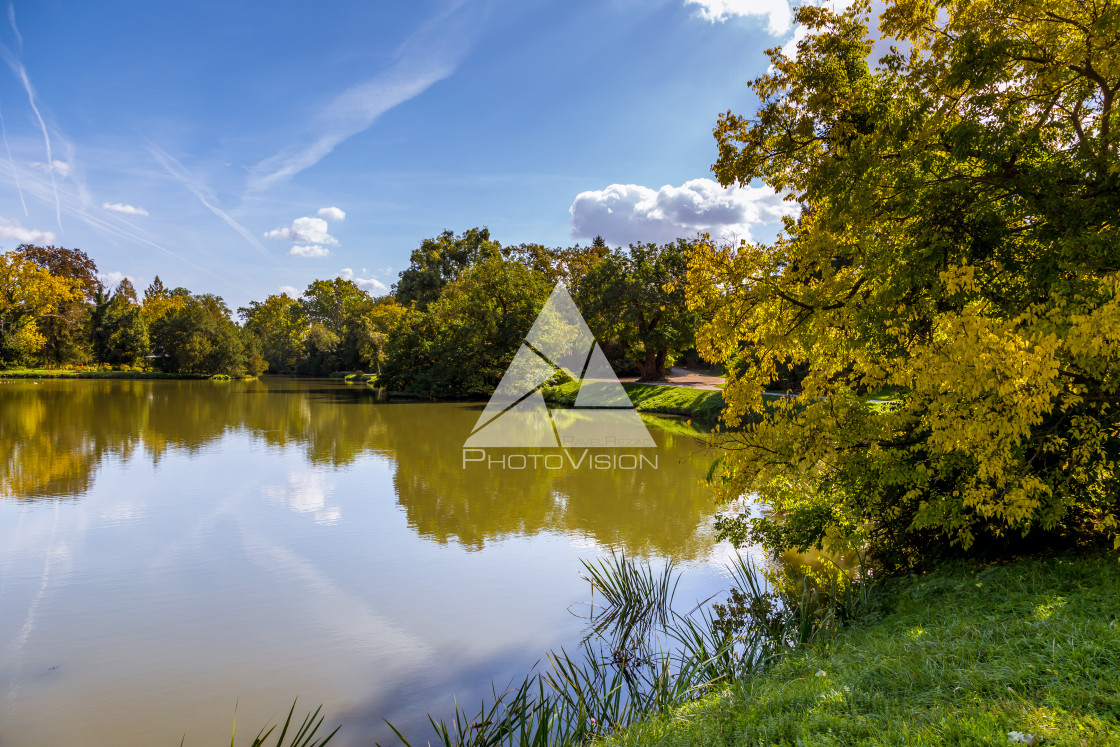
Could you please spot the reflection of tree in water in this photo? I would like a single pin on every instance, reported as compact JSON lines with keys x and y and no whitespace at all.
{"x":647,"y":511}
{"x":55,"y":434}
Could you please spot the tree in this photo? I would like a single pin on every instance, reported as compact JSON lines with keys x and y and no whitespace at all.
{"x":281,"y":326}
{"x":439,"y":261}
{"x":29,"y":294}
{"x":462,"y":344}
{"x":957,"y":248}
{"x":193,"y":334}
{"x":334,"y":309}
{"x":65,"y":329}
{"x":376,"y":328}
{"x":636,"y":298}
{"x":119,"y":331}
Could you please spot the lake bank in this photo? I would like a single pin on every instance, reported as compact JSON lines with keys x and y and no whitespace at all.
{"x":74,"y":373}
{"x":699,"y":404}
{"x":968,"y":654}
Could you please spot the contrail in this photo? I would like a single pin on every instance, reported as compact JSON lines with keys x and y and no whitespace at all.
{"x":12,"y":21}
{"x":12,"y":161}
{"x":176,"y":170}
{"x":21,"y":72}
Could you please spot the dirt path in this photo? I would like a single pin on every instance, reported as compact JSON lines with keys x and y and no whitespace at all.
{"x":683,"y":377}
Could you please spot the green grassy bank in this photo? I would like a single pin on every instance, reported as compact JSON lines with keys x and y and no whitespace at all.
{"x":92,"y":373}
{"x":961,"y":656}
{"x":699,"y":404}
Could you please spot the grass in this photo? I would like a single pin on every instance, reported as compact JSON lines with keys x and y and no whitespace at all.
{"x":699,"y":404}
{"x":92,"y":373}
{"x":962,"y":656}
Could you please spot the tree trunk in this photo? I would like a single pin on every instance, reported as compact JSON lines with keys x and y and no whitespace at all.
{"x":652,"y":368}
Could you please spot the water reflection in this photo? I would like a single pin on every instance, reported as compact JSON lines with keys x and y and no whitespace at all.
{"x":57,"y":434}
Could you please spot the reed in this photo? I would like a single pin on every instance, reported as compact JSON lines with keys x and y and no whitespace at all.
{"x":640,"y":657}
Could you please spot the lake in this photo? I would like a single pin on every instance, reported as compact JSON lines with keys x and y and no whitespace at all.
{"x":172,"y":549}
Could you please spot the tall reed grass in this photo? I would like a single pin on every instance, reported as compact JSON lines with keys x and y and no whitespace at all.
{"x":641,"y":657}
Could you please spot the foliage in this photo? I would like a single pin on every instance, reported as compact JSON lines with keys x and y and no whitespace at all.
{"x":957,"y":242}
{"x":280,"y":326}
{"x":64,"y":329}
{"x":193,"y":334}
{"x":28,"y":294}
{"x":376,"y":327}
{"x":118,"y":330}
{"x":463,"y":342}
{"x":965,"y":655}
{"x":636,"y":298}
{"x":440,"y":261}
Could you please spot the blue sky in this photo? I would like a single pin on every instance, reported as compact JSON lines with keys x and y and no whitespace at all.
{"x":240,"y":148}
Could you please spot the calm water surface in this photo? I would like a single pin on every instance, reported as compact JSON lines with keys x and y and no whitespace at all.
{"x":171,"y":548}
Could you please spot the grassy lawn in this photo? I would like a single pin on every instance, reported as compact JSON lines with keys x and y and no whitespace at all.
{"x":700,"y":404}
{"x":963,"y":656}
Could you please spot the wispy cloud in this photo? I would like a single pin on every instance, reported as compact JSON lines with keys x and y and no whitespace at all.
{"x":62,"y":168}
{"x":204,"y":195}
{"x":332,"y":213}
{"x":428,"y":56}
{"x":120,"y":207}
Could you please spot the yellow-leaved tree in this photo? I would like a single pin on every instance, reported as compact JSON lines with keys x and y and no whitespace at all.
{"x":944,"y":313}
{"x":29,"y":293}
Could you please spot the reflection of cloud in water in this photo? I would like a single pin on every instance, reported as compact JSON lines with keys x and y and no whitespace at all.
{"x":306,"y":493}
{"x":121,"y":513}
{"x":349,"y":619}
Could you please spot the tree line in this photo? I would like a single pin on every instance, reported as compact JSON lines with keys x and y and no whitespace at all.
{"x":448,"y":328}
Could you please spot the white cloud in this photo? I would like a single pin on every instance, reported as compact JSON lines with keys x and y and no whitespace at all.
{"x":777,"y":12}
{"x":112,"y":279}
{"x":13,"y":229}
{"x":62,"y":168}
{"x":332,"y":213}
{"x":313,"y":250}
{"x":291,"y":290}
{"x":370,"y":285}
{"x":627,"y":213}
{"x":120,"y":207}
{"x":305,"y":230}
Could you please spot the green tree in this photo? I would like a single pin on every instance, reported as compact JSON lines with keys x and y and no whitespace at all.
{"x":376,"y":327}
{"x":280,"y":326}
{"x":958,"y":246}
{"x":462,"y":344}
{"x":119,"y":331}
{"x":193,"y":334}
{"x":636,"y":299}
{"x":334,"y":309}
{"x":439,"y":261}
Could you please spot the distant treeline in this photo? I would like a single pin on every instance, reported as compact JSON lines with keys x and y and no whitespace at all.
{"x":449,"y":327}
